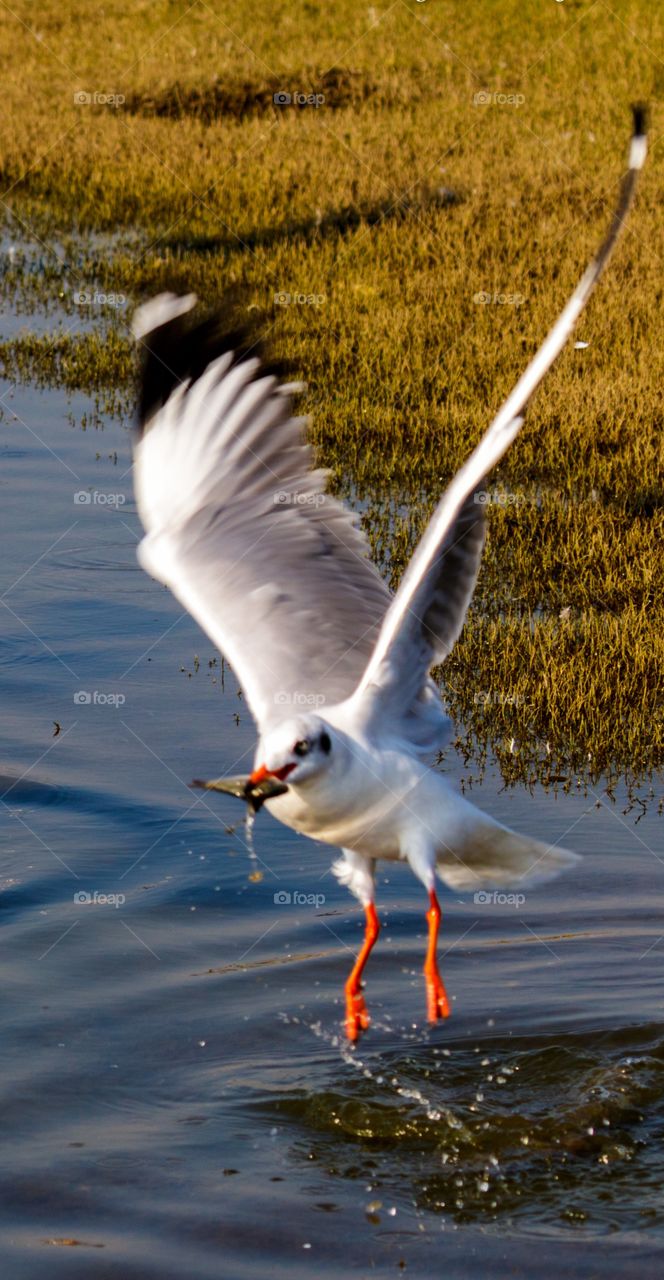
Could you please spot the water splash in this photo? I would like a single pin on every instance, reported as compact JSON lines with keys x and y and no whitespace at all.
{"x":550,"y":1130}
{"x":249,"y":823}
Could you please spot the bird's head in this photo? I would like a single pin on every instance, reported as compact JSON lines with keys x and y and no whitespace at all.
{"x":297,"y":750}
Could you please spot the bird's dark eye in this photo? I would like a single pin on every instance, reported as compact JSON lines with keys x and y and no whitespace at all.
{"x":301,"y":748}
{"x":325,"y":743}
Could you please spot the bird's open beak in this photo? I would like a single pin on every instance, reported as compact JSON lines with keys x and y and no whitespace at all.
{"x":260,"y":774}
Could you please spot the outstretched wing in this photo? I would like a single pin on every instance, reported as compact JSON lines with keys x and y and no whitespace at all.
{"x":428,"y":610}
{"x":238,"y":524}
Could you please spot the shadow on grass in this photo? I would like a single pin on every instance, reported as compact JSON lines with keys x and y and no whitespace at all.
{"x":224,"y":100}
{"x":336,"y":222}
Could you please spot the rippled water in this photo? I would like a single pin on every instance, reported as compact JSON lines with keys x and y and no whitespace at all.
{"x":177,"y":1099}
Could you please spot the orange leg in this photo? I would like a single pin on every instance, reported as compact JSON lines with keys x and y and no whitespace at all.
{"x":357,"y":1017}
{"x":438,"y":1006}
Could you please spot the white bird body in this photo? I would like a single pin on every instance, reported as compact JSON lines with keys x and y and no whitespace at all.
{"x":378,"y":800}
{"x":239,"y":526}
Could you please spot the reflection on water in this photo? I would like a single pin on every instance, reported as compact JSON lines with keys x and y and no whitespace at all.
{"x":176,"y":1097}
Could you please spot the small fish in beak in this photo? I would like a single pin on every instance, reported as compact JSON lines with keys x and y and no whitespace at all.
{"x":255,"y":788}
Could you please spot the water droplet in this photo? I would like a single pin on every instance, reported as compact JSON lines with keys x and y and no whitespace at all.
{"x":249,"y":832}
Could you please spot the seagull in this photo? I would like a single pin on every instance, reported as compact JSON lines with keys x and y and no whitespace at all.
{"x":334,"y":668}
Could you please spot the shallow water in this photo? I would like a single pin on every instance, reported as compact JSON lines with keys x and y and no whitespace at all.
{"x":177,"y":1100}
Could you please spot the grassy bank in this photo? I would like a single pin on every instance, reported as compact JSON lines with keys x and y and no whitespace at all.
{"x":389,"y":213}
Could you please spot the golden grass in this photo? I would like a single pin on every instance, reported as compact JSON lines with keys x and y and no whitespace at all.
{"x":394,"y":203}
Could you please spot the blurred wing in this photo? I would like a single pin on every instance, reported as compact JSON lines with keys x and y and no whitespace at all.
{"x":428,"y":611}
{"x":238,"y":524}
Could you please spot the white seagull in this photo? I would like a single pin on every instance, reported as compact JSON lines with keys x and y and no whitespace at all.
{"x":277,"y":572}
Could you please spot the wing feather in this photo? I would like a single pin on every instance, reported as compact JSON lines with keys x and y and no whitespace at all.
{"x":239,"y":526}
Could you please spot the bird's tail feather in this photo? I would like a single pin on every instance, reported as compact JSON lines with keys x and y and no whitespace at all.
{"x":497,"y":858}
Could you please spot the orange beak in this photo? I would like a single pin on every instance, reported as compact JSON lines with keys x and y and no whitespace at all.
{"x":260,"y":774}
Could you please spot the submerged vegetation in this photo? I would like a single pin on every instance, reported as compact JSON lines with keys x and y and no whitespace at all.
{"x":406,"y":227}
